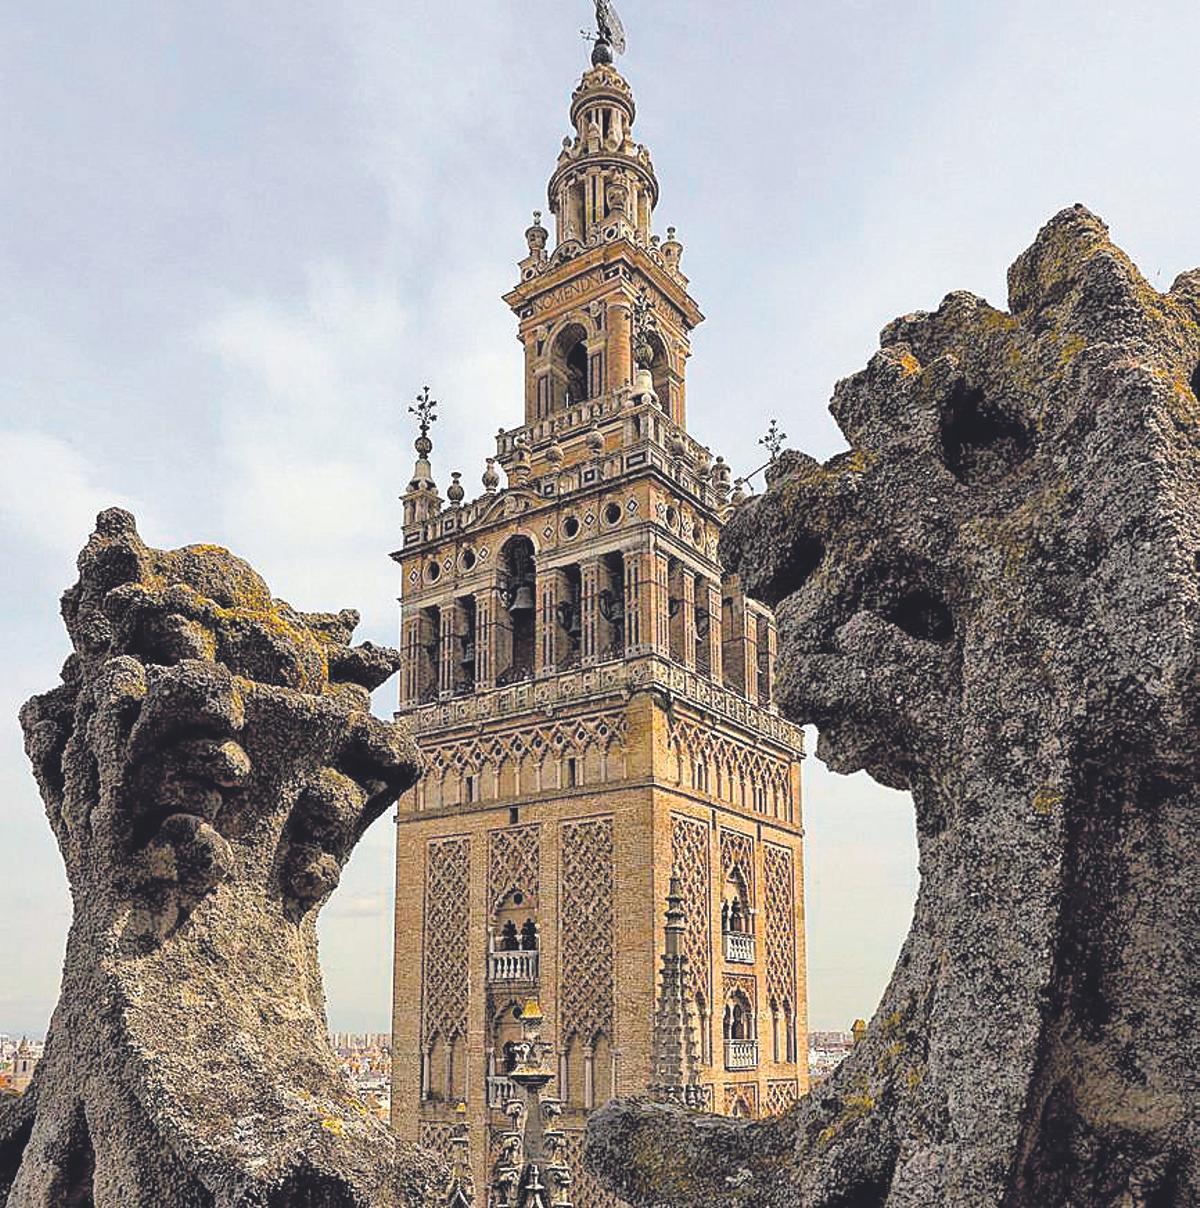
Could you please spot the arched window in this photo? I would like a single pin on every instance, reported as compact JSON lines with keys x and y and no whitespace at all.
{"x":735,"y":907}
{"x":508,"y":937}
{"x":739,"y":1019}
{"x":529,"y":936}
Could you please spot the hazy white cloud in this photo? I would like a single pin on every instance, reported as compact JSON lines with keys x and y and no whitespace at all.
{"x":49,"y":495}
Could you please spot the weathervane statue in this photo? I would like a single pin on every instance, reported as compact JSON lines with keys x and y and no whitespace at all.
{"x":609,"y":37}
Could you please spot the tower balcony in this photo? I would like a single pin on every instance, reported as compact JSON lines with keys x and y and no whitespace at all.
{"x":518,"y":966}
{"x":741,"y":1054}
{"x":500,"y":1091}
{"x":739,"y":947}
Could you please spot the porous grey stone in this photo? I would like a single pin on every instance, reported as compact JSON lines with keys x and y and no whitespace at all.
{"x":992,"y":601}
{"x":208,"y":764}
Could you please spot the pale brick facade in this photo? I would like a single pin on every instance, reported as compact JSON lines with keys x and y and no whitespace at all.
{"x":595,"y":703}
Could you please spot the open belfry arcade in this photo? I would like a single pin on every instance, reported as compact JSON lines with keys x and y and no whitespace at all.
{"x":595,"y":705}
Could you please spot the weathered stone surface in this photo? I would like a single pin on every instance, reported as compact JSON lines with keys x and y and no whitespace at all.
{"x":207,"y":764}
{"x":992,"y":600}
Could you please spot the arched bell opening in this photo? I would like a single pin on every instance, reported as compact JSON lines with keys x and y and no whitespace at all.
{"x":517,"y":581}
{"x":569,"y":367}
{"x":611,"y":605}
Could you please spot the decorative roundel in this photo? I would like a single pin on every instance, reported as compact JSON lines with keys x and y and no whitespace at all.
{"x":672,"y":516}
{"x":571,"y":526}
{"x":469,"y":558}
{"x":528,"y":274}
{"x":612,"y":513}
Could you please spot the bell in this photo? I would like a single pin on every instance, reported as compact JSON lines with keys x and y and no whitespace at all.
{"x":522,"y":600}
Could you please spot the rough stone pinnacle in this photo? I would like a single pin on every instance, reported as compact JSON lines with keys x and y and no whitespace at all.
{"x":207,"y":765}
{"x":992,"y":600}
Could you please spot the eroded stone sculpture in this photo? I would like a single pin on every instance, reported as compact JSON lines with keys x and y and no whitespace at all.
{"x":993,"y":600}
{"x":207,"y":764}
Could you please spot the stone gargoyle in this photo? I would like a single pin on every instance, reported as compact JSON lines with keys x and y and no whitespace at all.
{"x":207,"y":764}
{"x":992,"y":600}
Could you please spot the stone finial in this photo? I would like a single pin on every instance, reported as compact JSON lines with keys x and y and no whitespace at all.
{"x":536,"y":237}
{"x":522,"y":461}
{"x":207,"y":765}
{"x":455,"y":492}
{"x":595,"y":441}
{"x":991,"y":600}
{"x":491,"y":476}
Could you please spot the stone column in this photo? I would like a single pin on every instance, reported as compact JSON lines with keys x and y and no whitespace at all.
{"x":486,"y":603}
{"x":772,"y":637}
{"x":713,"y":601}
{"x":589,"y":1077}
{"x":633,"y":601}
{"x":750,"y":646}
{"x":589,"y":608}
{"x":410,"y":643}
{"x":620,"y":344}
{"x":448,"y":647}
{"x":551,"y":639}
{"x":661,"y":603}
{"x":688,"y":608}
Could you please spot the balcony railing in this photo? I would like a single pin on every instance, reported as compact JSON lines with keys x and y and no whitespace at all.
{"x":739,"y":947}
{"x":741,"y":1054}
{"x":500,"y":1091}
{"x":521,"y":965}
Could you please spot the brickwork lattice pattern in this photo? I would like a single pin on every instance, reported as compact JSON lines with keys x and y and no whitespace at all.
{"x":514,"y":864}
{"x":779,"y":906}
{"x":586,"y":990}
{"x":446,"y":942}
{"x":689,"y":855}
{"x":781,"y":1096}
{"x":737,"y":854}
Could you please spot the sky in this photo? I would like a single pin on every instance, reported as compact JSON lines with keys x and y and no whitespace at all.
{"x":236,"y":239}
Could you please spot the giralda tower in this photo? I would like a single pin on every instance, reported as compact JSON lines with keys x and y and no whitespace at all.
{"x":594,"y":700}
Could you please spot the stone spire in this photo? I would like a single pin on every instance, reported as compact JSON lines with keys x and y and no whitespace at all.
{"x":460,"y":1191}
{"x":421,"y":500}
{"x":674,"y":1059}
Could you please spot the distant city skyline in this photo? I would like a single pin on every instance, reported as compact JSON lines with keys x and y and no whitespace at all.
{"x":243,"y":237}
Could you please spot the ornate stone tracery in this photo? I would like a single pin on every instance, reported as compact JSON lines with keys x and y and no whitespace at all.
{"x":737,"y":772}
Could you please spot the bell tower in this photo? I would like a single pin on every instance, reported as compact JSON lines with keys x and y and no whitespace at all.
{"x":575,"y":302}
{"x":610,"y":792}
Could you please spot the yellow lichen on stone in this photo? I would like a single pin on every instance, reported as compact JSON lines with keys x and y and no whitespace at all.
{"x":1046,"y":801}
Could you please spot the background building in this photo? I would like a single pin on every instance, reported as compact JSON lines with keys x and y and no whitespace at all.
{"x":595,"y":702}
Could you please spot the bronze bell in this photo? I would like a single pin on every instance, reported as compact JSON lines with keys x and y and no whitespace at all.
{"x":522,"y":599}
